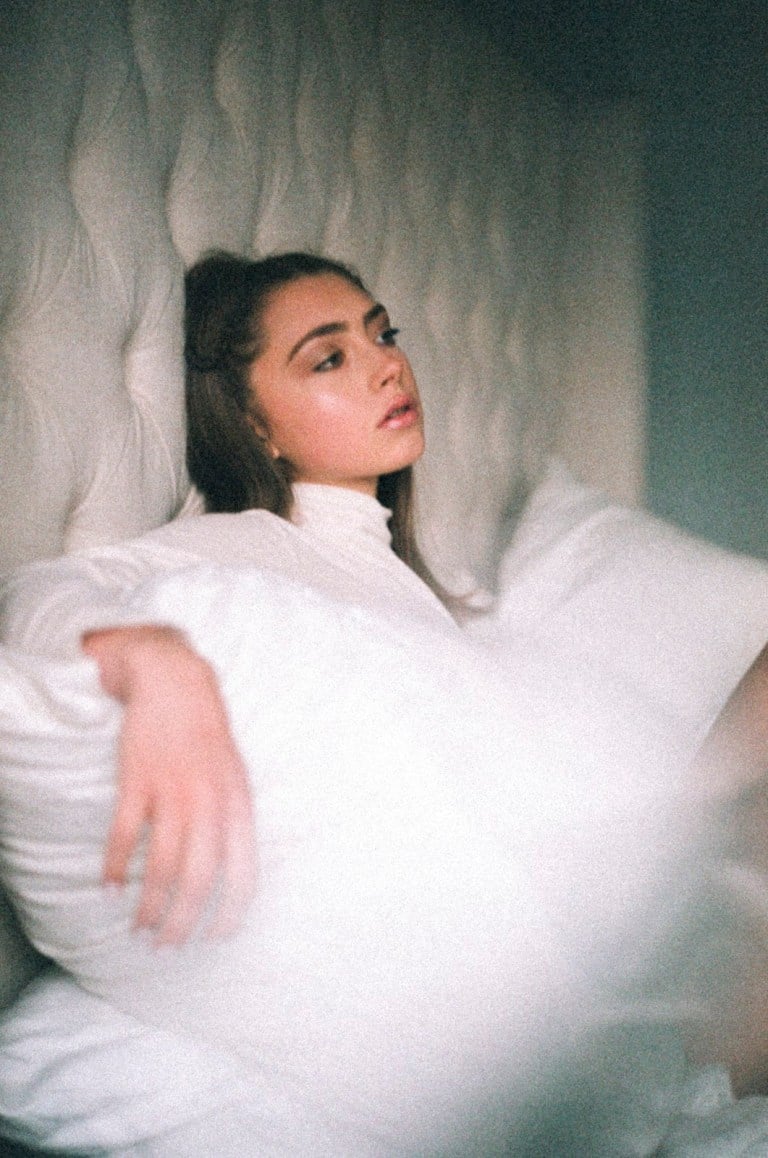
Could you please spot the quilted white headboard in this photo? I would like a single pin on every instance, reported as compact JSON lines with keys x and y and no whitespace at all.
{"x":135,"y":134}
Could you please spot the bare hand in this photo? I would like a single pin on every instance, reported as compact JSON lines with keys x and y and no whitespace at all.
{"x":179,"y":774}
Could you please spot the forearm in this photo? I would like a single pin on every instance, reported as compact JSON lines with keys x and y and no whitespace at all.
{"x":734,"y":754}
{"x":732,"y":766}
{"x":154,"y":662}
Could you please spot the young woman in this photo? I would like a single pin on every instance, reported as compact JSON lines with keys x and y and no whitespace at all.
{"x":304,"y":422}
{"x":294,"y":377}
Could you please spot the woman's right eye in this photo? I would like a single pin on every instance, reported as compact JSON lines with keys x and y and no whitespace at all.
{"x":330,"y":363}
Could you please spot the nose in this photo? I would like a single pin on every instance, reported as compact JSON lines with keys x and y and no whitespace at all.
{"x":388,"y":366}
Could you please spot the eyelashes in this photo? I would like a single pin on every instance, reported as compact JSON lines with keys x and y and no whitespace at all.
{"x":335,"y":359}
{"x":329,"y":363}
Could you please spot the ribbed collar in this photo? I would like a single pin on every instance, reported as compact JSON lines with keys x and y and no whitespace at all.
{"x":338,"y":512}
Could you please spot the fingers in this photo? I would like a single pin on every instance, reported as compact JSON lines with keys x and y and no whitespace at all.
{"x":238,"y":878}
{"x":180,"y":879}
{"x":162,"y":867}
{"x":124,"y":835}
{"x":191,"y":866}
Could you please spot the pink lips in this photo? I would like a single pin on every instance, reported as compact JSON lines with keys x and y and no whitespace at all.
{"x":402,"y":413}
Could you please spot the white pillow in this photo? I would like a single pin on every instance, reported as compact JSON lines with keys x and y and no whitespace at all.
{"x":451,"y":863}
{"x":674,"y":616}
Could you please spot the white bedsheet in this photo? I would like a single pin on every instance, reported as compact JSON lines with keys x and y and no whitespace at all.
{"x":459,"y":861}
{"x":139,"y":1092}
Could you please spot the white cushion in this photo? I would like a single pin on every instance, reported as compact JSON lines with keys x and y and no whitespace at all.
{"x":675,"y":617}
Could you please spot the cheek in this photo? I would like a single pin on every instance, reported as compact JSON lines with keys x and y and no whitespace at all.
{"x":320,"y":411}
{"x":313,"y":426}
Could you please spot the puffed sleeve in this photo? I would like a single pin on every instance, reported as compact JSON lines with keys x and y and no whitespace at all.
{"x":45,"y":607}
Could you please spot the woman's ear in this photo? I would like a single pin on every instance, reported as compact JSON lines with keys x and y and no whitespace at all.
{"x":259,"y":428}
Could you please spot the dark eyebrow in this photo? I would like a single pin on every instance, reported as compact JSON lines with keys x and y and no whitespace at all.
{"x":335,"y":328}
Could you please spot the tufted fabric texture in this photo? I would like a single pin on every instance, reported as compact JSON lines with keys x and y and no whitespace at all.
{"x":136,"y":134}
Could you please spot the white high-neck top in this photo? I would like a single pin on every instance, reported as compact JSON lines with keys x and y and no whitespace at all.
{"x":329,"y":511}
{"x":350,"y":532}
{"x":337,"y":542}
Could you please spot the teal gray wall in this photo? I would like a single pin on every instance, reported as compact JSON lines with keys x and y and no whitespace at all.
{"x":699,"y":73}
{"x":707,"y":276}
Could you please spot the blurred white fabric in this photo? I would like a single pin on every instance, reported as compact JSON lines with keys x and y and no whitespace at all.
{"x":458,"y":868}
{"x":595,"y":833}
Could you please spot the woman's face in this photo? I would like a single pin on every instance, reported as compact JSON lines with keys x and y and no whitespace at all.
{"x":335,"y":396}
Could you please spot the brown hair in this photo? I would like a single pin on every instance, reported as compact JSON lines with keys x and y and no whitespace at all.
{"x":228,"y":462}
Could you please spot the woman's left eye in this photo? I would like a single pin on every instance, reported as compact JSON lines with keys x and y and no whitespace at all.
{"x":388,"y":337}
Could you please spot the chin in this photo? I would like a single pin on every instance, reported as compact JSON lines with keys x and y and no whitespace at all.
{"x":415,"y":454}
